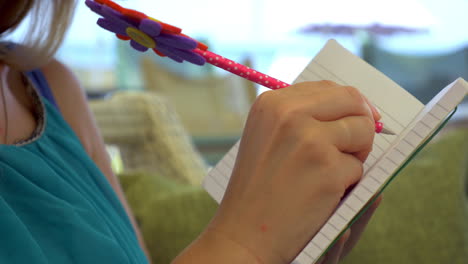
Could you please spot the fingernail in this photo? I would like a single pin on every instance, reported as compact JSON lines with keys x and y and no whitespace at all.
{"x":377,"y":111}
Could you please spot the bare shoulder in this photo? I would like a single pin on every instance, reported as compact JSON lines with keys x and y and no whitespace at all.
{"x":71,"y":100}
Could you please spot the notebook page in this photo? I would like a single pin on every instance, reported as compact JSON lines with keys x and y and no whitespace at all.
{"x":337,"y":64}
{"x":378,"y":176}
{"x":341,"y":66}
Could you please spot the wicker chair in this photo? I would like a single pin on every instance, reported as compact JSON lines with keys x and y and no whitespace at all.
{"x":149,"y":135}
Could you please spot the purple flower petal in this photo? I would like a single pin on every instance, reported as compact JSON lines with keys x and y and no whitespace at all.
{"x":176,"y":41}
{"x":164,"y":50}
{"x":150,"y":27}
{"x":112,"y":27}
{"x":107,"y":13}
{"x":176,"y":47}
{"x":95,"y":7}
{"x":190,"y":56}
{"x":130,"y":20}
{"x":138,"y":46}
{"x":187,"y":55}
{"x":115,"y":17}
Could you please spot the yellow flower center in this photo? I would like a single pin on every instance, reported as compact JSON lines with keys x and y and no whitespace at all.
{"x":141,"y":37}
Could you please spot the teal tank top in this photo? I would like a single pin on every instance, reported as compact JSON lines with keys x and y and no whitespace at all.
{"x":55,"y":204}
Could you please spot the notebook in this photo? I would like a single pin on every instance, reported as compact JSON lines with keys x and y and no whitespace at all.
{"x":413,"y":122}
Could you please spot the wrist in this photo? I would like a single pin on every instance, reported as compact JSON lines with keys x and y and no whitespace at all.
{"x":216,"y":237}
{"x":213,"y":246}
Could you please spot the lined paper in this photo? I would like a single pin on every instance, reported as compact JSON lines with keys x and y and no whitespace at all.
{"x":430,"y":118}
{"x":410,"y":119}
{"x":337,"y":64}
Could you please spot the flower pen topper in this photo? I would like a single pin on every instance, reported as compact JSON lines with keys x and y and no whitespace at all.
{"x":146,"y":33}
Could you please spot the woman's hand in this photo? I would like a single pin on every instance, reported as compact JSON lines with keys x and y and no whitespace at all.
{"x":302,"y":147}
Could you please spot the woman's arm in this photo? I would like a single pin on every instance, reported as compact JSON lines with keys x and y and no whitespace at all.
{"x":74,"y":107}
{"x":301,"y":149}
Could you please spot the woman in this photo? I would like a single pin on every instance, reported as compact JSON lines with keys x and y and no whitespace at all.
{"x":302,"y":147}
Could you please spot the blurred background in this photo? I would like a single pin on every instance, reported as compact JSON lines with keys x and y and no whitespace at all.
{"x":420,"y":44}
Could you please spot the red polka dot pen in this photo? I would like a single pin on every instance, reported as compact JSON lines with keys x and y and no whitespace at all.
{"x":144,"y":33}
{"x":260,"y":78}
{"x":241,"y":70}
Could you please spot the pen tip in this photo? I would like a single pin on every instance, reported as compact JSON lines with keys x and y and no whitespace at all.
{"x":387,"y":131}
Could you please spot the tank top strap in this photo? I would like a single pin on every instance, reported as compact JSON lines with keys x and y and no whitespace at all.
{"x":41,"y":84}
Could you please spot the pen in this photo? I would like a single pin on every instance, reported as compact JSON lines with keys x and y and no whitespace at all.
{"x":260,"y":78}
{"x":145,"y":33}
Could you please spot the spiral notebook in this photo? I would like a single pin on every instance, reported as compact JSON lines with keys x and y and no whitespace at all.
{"x":413,"y":122}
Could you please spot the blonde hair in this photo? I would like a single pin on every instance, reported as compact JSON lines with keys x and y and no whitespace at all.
{"x":47,"y":23}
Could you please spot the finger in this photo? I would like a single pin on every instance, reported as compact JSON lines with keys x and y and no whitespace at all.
{"x":314,"y":86}
{"x":333,"y":256}
{"x":341,"y":101}
{"x":359,"y":226}
{"x":351,"y":168}
{"x":375,"y":111}
{"x":331,"y":103}
{"x":353,"y":134}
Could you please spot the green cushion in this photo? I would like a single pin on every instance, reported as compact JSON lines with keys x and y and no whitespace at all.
{"x":171,"y":215}
{"x":422,"y":218}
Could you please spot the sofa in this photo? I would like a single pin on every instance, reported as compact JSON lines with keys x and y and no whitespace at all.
{"x":423,"y":217}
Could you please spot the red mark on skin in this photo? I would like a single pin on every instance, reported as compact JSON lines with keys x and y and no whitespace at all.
{"x":264,"y":228}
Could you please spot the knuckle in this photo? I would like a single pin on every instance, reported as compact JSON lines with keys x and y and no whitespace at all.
{"x":346,"y":127}
{"x":286,"y":122}
{"x":361,"y":126}
{"x":358,"y":103}
{"x":263,"y":98}
{"x":327,"y":83}
{"x":316,"y":84}
{"x":354,"y":93}
{"x":263,"y":102}
{"x":318,"y":151}
{"x":287,"y":114}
